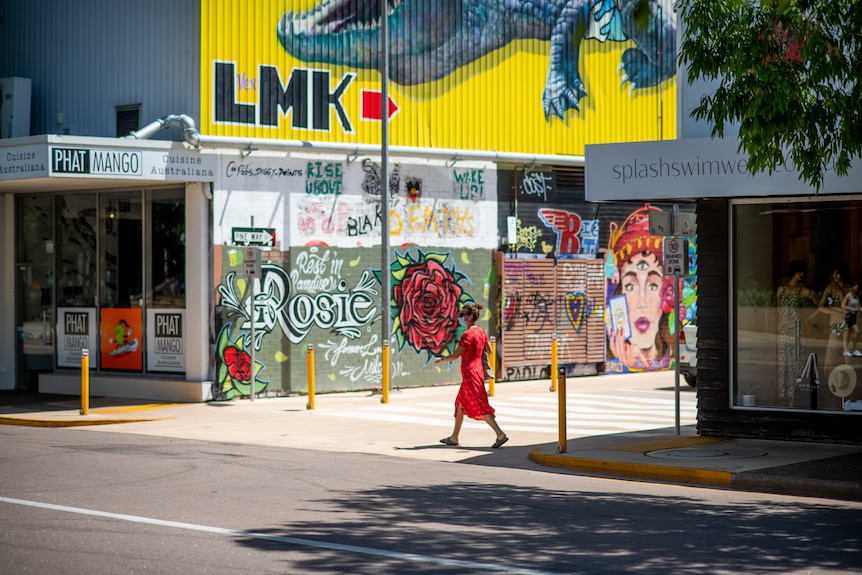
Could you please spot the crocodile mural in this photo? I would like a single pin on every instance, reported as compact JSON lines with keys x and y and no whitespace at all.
{"x":430,"y":39}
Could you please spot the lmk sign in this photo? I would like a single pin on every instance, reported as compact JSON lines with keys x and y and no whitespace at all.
{"x":309,"y":108}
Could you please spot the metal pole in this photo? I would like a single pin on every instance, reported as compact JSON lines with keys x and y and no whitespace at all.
{"x":493,"y":380}
{"x":385,"y":398}
{"x":310,"y":404}
{"x":251,"y":382}
{"x":385,"y":272}
{"x":562,"y":447}
{"x":676,"y":327}
{"x":85,"y":382}
{"x":554,"y":363}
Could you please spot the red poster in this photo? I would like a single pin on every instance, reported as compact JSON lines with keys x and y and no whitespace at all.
{"x":121,"y":340}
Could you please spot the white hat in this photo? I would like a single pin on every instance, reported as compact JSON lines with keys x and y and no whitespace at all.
{"x":842,"y":380}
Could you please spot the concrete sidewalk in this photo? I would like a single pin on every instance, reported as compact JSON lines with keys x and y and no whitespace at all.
{"x":792,"y":468}
{"x":358,"y":422}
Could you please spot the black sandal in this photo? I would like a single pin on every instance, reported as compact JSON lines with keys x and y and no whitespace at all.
{"x":447,"y":441}
{"x":500,"y":442}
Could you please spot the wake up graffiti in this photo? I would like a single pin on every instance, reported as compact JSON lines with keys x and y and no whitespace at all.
{"x":342,"y":311}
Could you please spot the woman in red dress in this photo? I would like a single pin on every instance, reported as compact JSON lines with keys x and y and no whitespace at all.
{"x":472,"y":399}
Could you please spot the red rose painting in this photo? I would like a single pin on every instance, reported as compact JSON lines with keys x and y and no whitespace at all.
{"x":238,"y":363}
{"x":236,"y":375}
{"x":427,"y":297}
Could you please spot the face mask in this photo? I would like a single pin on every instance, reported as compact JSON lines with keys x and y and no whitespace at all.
{"x":461,"y":321}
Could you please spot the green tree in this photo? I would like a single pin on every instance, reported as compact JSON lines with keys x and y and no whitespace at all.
{"x":788,"y":75}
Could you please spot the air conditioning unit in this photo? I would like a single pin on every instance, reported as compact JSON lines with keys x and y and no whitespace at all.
{"x":14,"y":107}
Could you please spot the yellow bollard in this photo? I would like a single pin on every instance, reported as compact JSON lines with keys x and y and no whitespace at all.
{"x":554,"y":363}
{"x":385,"y":373}
{"x":561,"y":403}
{"x":85,"y":382}
{"x":310,"y":404}
{"x":493,"y":380}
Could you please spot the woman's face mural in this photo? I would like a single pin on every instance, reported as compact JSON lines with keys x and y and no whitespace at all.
{"x":637,"y":274}
{"x":641,"y":281}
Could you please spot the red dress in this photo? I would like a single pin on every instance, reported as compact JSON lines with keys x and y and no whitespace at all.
{"x":472,"y":395}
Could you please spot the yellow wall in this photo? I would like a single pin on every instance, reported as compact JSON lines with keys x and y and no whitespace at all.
{"x":494,"y":103}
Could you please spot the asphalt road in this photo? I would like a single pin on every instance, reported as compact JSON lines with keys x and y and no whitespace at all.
{"x":88,"y":502}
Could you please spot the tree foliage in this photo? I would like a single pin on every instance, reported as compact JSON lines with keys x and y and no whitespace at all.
{"x":788,"y":75}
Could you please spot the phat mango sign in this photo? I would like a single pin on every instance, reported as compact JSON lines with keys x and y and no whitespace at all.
{"x":548,"y":82}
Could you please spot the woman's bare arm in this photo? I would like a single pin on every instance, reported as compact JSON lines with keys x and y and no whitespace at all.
{"x":452,"y":356}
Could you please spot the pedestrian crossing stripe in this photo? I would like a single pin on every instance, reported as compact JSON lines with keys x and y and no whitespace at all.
{"x":605,"y":400}
{"x":586,"y":414}
{"x":576,"y":428}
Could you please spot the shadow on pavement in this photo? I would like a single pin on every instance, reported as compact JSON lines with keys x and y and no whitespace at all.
{"x":570,"y":531}
{"x":34,"y":401}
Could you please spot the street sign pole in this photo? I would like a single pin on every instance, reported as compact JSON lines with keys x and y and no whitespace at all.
{"x":676,"y":323}
{"x":676,"y":227}
{"x":251,"y":267}
{"x":251,"y":383}
{"x":385,"y":272}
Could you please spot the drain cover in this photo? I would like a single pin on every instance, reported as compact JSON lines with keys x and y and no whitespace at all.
{"x":705,"y":453}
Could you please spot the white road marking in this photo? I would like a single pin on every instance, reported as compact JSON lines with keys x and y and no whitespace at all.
{"x":472,"y":565}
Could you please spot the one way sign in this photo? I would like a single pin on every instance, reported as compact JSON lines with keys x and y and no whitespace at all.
{"x":253,"y":236}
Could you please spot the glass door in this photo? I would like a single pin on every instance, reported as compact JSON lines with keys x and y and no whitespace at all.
{"x":121,"y":290}
{"x":34,"y":289}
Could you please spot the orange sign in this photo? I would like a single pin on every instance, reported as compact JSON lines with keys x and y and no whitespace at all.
{"x":121,"y":343}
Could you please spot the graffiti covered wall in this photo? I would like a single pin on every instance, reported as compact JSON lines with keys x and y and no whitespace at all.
{"x":545,"y":299}
{"x":335,"y":202}
{"x":321,"y":283}
{"x":429,"y":286}
{"x":433,"y":205}
{"x":558,"y":230}
{"x":330,"y":298}
{"x":321,"y":276}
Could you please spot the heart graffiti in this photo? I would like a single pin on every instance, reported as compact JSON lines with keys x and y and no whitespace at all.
{"x":576,"y":309}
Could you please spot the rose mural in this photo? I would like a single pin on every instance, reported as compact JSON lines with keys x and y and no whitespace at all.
{"x":426,"y":299}
{"x":235,"y":373}
{"x":238,"y":363}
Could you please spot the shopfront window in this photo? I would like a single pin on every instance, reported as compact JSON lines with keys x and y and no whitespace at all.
{"x":77,"y":225}
{"x":119,"y":262}
{"x":166,"y":249}
{"x":121,"y":249}
{"x":794,"y":264}
{"x":121,"y":281}
{"x":34,"y":289}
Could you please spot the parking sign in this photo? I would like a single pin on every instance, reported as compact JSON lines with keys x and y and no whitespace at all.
{"x":676,"y":256}
{"x":251,"y":262}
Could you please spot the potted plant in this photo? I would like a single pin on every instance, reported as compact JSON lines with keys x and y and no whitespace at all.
{"x":748,"y":390}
